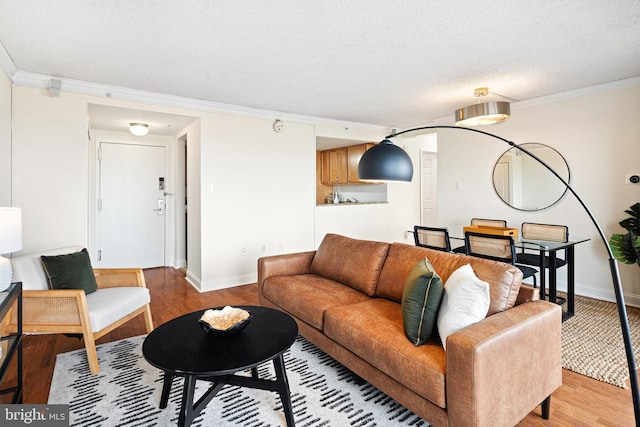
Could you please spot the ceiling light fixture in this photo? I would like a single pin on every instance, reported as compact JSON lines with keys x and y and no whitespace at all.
{"x":485,"y":113}
{"x":139,"y":129}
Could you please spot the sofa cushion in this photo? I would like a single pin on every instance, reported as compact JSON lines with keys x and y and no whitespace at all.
{"x":308,"y":296}
{"x":504,"y":279}
{"x":356,"y":263}
{"x":373,"y":330}
{"x":465,"y":302}
{"x":70,"y":271}
{"x":420,"y":302}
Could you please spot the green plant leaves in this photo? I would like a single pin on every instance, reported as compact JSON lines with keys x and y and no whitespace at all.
{"x":632,"y":224}
{"x":626,"y":247}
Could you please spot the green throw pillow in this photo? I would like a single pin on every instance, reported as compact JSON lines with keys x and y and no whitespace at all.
{"x":70,"y":271}
{"x":420,"y":302}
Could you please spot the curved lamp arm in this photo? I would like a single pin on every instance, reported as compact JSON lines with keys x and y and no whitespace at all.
{"x":613,"y":265}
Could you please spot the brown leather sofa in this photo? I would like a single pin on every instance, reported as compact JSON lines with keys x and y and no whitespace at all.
{"x":346,"y":299}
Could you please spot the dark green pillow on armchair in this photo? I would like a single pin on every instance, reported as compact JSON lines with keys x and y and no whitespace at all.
{"x":420,"y":302}
{"x":70,"y":271}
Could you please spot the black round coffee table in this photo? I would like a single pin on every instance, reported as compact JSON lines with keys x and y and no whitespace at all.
{"x":182,"y":348}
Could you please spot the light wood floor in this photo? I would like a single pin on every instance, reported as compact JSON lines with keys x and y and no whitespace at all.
{"x":580,"y":401}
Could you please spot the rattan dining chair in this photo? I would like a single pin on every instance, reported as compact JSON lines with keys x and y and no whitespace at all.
{"x":498,"y":248}
{"x":432,"y":237}
{"x":545,"y":232}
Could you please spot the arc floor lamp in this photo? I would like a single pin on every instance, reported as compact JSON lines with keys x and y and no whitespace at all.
{"x":388,"y":162}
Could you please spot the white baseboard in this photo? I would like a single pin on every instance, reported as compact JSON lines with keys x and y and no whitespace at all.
{"x":193,"y":281}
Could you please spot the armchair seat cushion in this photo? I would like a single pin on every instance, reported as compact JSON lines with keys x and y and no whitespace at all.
{"x":108,"y":305}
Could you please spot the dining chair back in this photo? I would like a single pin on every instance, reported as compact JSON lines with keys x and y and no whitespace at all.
{"x":482,"y":221}
{"x":498,"y":248}
{"x":548,"y":232}
{"x":432,"y":237}
{"x":489,"y":222}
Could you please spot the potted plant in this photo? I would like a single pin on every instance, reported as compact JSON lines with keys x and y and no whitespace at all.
{"x":626,"y":247}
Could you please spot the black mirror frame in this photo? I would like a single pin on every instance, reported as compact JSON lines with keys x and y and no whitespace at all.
{"x":568,"y":180}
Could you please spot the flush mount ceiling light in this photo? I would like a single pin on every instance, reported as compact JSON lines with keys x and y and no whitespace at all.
{"x":484,"y":113}
{"x":139,"y":129}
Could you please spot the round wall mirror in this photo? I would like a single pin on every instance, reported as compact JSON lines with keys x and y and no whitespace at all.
{"x":523,"y":183}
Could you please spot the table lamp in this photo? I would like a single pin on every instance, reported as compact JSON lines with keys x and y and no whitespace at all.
{"x":10,"y":241}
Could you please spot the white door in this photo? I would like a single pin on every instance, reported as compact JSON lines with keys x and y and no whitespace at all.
{"x":131,"y":206}
{"x":429,"y":189}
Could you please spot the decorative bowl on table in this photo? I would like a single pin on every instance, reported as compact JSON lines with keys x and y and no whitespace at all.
{"x":224,"y":322}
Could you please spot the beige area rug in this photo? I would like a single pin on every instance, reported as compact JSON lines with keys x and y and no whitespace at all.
{"x":592,"y":342}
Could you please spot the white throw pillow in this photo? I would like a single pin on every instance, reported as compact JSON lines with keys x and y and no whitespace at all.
{"x":465,"y":302}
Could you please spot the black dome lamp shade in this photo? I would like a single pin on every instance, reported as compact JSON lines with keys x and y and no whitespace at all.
{"x":385,"y":162}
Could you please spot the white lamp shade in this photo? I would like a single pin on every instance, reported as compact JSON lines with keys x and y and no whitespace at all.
{"x":10,"y":230}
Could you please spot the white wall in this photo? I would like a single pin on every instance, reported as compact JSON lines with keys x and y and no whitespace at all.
{"x":50,"y":161}
{"x":5,"y":140}
{"x":599,"y":136}
{"x":194,"y":245}
{"x":257,"y":195}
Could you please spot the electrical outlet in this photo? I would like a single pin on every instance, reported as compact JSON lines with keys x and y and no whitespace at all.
{"x":243,"y":252}
{"x":632,"y":178}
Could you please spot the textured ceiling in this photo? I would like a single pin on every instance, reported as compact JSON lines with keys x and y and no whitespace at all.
{"x":394,"y":63}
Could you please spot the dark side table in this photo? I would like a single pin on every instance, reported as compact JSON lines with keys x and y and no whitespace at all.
{"x":181,"y":348}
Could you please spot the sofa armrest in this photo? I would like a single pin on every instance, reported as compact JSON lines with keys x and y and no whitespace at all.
{"x":57,"y":310}
{"x":119,"y":277}
{"x":283,"y":265}
{"x":500,"y":369}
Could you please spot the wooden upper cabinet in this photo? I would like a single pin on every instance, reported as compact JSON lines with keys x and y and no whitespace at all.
{"x":334,"y":166}
{"x":354,"y":153}
{"x":325,"y":175}
{"x":340,"y":165}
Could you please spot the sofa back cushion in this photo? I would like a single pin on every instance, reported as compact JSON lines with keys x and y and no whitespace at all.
{"x":356,"y":263}
{"x":504,"y":279}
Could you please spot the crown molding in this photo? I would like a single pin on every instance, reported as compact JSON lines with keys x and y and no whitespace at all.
{"x":35,"y":80}
{"x":6,"y":63}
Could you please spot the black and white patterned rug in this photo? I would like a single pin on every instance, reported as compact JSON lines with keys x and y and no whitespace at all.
{"x":126,"y":392}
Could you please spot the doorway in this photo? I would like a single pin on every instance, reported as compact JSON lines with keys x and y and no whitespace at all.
{"x":131,"y":205}
{"x":429,"y":188}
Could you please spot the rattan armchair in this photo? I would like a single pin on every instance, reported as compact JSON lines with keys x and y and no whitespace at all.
{"x":121,"y":296}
